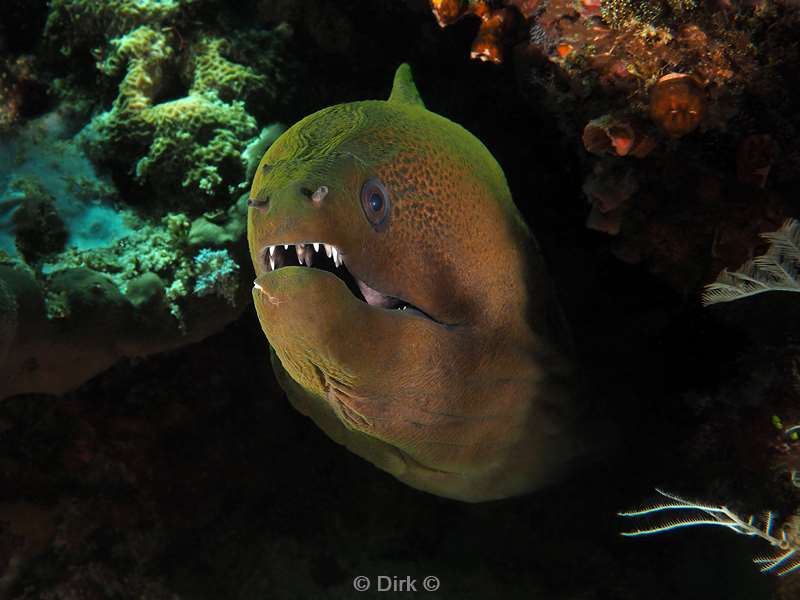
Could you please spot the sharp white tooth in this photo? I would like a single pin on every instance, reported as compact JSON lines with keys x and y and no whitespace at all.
{"x":272,"y":262}
{"x":327,"y":249}
{"x":309,"y":257}
{"x":335,"y":255}
{"x":286,"y":246}
{"x":272,"y":251}
{"x":316,"y":246}
{"x":300,"y":252}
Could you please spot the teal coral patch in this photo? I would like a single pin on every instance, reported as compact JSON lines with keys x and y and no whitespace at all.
{"x":217,"y":274}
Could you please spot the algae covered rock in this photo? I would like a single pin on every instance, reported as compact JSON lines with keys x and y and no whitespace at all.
{"x":90,"y":297}
{"x":220,"y":228}
{"x":75,"y":25}
{"x":145,"y":290}
{"x":39,"y":228}
{"x":8,"y":318}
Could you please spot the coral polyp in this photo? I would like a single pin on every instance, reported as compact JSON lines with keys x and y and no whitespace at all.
{"x":489,"y":43}
{"x":499,"y":25}
{"x":449,"y":11}
{"x":677,"y":104}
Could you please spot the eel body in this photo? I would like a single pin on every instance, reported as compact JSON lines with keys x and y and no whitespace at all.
{"x":405,"y":300}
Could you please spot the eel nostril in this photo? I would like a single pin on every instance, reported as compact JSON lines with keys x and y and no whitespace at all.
{"x":261,"y":200}
{"x":320,"y":194}
{"x":257,"y":202}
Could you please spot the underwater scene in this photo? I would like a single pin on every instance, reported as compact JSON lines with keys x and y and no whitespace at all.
{"x":352,"y":299}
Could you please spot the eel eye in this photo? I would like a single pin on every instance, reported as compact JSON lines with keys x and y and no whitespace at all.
{"x":375,"y":202}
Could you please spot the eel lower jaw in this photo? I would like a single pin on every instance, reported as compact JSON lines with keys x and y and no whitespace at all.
{"x":328,"y":257}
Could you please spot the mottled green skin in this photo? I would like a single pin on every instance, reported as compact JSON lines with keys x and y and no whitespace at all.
{"x":471,"y":407}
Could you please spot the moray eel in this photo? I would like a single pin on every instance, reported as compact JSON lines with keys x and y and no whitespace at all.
{"x":405,"y":300}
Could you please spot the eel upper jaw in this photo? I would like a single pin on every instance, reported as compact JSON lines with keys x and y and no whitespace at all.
{"x":329,"y":257}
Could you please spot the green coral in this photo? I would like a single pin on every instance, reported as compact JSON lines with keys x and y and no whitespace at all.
{"x":213,"y":75}
{"x":187,"y":99}
{"x":79,"y":23}
{"x":143,"y":53}
{"x":157,"y":249}
{"x":171,"y":94}
{"x":195,"y":141}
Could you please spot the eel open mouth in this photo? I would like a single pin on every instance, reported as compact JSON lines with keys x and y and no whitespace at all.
{"x":327,"y":257}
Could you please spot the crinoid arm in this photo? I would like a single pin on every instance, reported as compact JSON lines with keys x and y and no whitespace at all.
{"x":776,"y":271}
{"x":677,"y":512}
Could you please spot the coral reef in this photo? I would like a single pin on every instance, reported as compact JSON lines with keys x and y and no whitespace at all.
{"x":191,"y":140}
{"x":617,"y":137}
{"x":70,"y":252}
{"x":185,"y":100}
{"x":126,"y":198}
{"x":666,"y":86}
{"x":185,"y":474}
